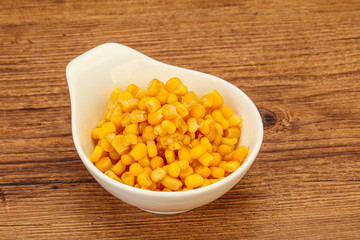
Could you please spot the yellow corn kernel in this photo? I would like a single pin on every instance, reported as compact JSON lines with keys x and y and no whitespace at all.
{"x":136,"y":169}
{"x":198,"y":111}
{"x":108,"y":127}
{"x":130,"y":139}
{"x":224,"y":149}
{"x":177,"y":120}
{"x":171,"y":183}
{"x":137,"y":116}
{"x":194,"y":180}
{"x":186,"y":172}
{"x":227,"y":112}
{"x":175,"y":145}
{"x":182,"y":126}
{"x":223,"y":165}
{"x":137,"y":185}
{"x":133,"y":89}
{"x":129,"y":105}
{"x":142,"y":126}
{"x":140,"y":139}
{"x":206,"y":159}
{"x":217,"y":172}
{"x":156,"y":162}
{"x":125,"y":120}
{"x":140,"y":94}
{"x":197,"y":151}
{"x":163,"y":95}
{"x":206,"y":143}
{"x":181,"y":109}
{"x":235,"y":121}
{"x":219,"y":129}
{"x":216,"y":159}
{"x":240,"y":154}
{"x":149,"y":134}
{"x":195,"y":142}
{"x":228,"y":157}
{"x":147,"y":170}
{"x":153,"y":88}
{"x":232,"y":132}
{"x":106,"y":145}
{"x":203,"y":171}
{"x":212,"y":134}
{"x":103,"y":164}
{"x":189,"y":101}
{"x":116,"y":117}
{"x":186,"y":140}
{"x":153,"y":104}
{"x":95,"y":133}
{"x":174,"y":85}
{"x":145,"y":162}
{"x":212,"y":100}
{"x":183,"y":164}
{"x":152,"y":149}
{"x":118,"y":144}
{"x":110,"y":137}
{"x":184,"y":155}
{"x":166,"y":167}
{"x":205,"y":126}
{"x":169,"y":111}
{"x":139,"y":151}
{"x":229,"y":141}
{"x":112,"y":175}
{"x":156,"y":117}
{"x":174,"y":169}
{"x":110,"y":110}
{"x":172,"y":98}
{"x":131,"y":129}
{"x":207,"y":182}
{"x":233,"y":165}
{"x":167,"y":190}
{"x":168,"y":126}
{"x":119,"y":168}
{"x":144,"y":180}
{"x":217,"y":140}
{"x":193,"y":125}
{"x":128,"y":179}
{"x":95,"y":156}
{"x":169,"y":156}
{"x":127,"y":159}
{"x":159,"y":131}
{"x":114,"y":155}
{"x":124,"y":96}
{"x":187,"y":189}
{"x":142,"y":103}
{"x":101,"y":122}
{"x":219,"y":118}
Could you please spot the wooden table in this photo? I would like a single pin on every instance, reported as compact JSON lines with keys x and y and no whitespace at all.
{"x":299,"y":61}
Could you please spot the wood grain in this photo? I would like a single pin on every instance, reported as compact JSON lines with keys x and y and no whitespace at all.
{"x":298,"y":61}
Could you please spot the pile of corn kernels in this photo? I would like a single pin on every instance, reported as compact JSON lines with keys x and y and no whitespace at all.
{"x":165,"y":138}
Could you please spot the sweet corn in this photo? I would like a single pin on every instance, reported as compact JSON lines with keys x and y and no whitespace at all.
{"x":95,"y":156}
{"x":203,"y":171}
{"x":127,"y":159}
{"x":190,"y":141}
{"x":152,"y":149}
{"x":168,"y":126}
{"x":137,"y":116}
{"x":103,"y":164}
{"x":112,"y":175}
{"x":194,"y":180}
{"x":139,"y":151}
{"x":171,"y":183}
{"x":197,"y":151}
{"x":145,"y":162}
{"x":169,"y":156}
{"x":133,"y":89}
{"x":217,"y":172}
{"x":156,"y":162}
{"x":153,"y":88}
{"x":153,"y":104}
{"x":128,"y":179}
{"x":119,"y":168}
{"x":174,"y":169}
{"x":155,"y":118}
{"x":240,"y":153}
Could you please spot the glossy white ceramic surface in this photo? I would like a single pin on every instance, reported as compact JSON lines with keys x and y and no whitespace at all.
{"x":91,"y":78}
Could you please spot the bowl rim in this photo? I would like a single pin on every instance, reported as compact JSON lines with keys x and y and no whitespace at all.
{"x":121,"y":186}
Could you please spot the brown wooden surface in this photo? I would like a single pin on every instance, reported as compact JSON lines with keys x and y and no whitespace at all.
{"x":299,"y":61}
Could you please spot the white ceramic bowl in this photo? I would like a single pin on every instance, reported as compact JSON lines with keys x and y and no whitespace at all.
{"x":91,"y":78}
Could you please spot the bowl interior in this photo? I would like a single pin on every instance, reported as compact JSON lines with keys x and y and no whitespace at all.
{"x":90,"y":92}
